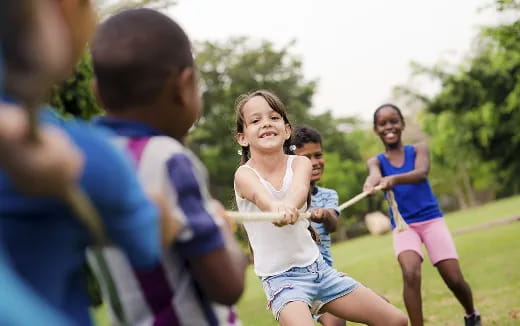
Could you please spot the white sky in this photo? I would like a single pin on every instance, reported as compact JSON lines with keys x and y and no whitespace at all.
{"x":358,"y":50}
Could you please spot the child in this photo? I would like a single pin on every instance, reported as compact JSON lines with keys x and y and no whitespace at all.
{"x":50,"y":166}
{"x":295,"y":278}
{"x":404,"y":168}
{"x":54,"y":161}
{"x":324,"y":202}
{"x":42,"y":238}
{"x":146,"y":82}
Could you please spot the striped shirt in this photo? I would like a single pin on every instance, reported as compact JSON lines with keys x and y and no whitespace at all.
{"x":324,"y":198}
{"x":168,"y":295}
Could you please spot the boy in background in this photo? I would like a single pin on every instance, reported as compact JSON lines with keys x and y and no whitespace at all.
{"x":324,"y":202}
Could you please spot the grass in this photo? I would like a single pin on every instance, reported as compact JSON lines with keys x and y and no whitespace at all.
{"x":490,"y":261}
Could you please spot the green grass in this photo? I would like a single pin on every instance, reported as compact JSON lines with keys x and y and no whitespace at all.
{"x":490,"y":261}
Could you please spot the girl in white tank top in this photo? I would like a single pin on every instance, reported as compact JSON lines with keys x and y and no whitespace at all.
{"x":295,"y":278}
{"x":278,"y":249}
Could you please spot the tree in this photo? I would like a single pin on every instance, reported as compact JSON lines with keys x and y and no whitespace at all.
{"x":74,"y":96}
{"x":473,"y":119}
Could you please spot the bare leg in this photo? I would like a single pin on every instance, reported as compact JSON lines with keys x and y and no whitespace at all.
{"x":364,"y":306}
{"x":296,"y":313}
{"x":452,"y":276}
{"x":410,"y":263}
{"x":331,"y":320}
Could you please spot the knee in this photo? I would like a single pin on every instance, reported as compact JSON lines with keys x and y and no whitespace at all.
{"x":412,"y":276}
{"x":456,"y":283}
{"x":399,"y":319}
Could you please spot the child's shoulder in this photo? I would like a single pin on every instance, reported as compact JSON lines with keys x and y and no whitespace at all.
{"x":300,"y":161}
{"x":160,"y":149}
{"x":420,"y":146}
{"x":326,"y":191}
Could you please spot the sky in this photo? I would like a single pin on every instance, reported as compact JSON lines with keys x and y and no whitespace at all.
{"x":357,"y":50}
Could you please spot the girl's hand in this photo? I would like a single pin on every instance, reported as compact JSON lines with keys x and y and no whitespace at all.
{"x":290,"y":213}
{"x":387,"y":183}
{"x":371,"y":184}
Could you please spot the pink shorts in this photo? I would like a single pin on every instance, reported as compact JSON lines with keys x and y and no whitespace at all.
{"x":433,"y":233}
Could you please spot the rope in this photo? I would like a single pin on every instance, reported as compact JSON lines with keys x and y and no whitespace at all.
{"x":400,"y":224}
{"x":241,"y":217}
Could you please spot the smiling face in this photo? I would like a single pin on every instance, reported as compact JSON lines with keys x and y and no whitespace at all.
{"x":314,"y":152}
{"x":264,"y":129}
{"x":389,"y":125}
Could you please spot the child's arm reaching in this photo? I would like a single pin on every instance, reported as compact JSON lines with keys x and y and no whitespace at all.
{"x":327,"y":216}
{"x":374,"y":175}
{"x":46,"y":168}
{"x":248,"y":186}
{"x":299,"y":189}
{"x":418,"y":174}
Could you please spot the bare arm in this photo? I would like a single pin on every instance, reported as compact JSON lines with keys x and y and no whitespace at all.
{"x":374,"y":175}
{"x":418,"y":174}
{"x":327,"y":216}
{"x":221,"y":273}
{"x":47,"y":168}
{"x":300,"y":186}
{"x":248,"y":186}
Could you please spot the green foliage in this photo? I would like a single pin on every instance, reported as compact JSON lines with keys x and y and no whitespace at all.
{"x":473,"y":121}
{"x":74,"y":96}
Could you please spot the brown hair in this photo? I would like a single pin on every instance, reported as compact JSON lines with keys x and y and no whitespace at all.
{"x":274,"y":102}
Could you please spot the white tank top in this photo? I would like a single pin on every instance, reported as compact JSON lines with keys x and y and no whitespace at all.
{"x":278,"y":249}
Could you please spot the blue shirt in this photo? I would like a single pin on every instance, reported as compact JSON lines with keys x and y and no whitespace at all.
{"x":416,"y":202}
{"x":324,"y":198}
{"x":19,"y":305}
{"x":45,"y":241}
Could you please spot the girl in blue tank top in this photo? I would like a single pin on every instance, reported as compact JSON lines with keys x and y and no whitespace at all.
{"x":404,"y":169}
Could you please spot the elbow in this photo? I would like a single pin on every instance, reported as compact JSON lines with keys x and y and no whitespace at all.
{"x":230,"y":292}
{"x":423,"y":174}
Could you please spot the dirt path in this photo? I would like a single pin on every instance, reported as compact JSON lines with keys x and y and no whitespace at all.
{"x":487,"y":225}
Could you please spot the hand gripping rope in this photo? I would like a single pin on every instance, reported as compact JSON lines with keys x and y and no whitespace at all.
{"x":241,"y":217}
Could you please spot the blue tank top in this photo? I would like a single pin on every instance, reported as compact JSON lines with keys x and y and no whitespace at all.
{"x":416,"y":202}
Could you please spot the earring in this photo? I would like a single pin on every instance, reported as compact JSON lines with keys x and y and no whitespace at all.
{"x":292,"y":148}
{"x":239,"y":152}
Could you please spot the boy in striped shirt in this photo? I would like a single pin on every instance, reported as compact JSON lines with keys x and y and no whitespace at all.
{"x":146,"y":82}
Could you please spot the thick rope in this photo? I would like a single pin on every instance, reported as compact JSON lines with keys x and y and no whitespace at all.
{"x":241,"y":217}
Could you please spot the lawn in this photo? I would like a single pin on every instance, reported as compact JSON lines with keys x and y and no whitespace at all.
{"x":490,"y":260}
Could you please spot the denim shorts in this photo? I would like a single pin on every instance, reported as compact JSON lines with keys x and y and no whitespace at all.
{"x":316,"y":285}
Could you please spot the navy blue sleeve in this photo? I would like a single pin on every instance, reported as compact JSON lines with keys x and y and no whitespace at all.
{"x":111,"y":183}
{"x":206,"y":235}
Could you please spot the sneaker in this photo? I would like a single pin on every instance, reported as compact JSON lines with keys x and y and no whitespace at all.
{"x":473,"y":320}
